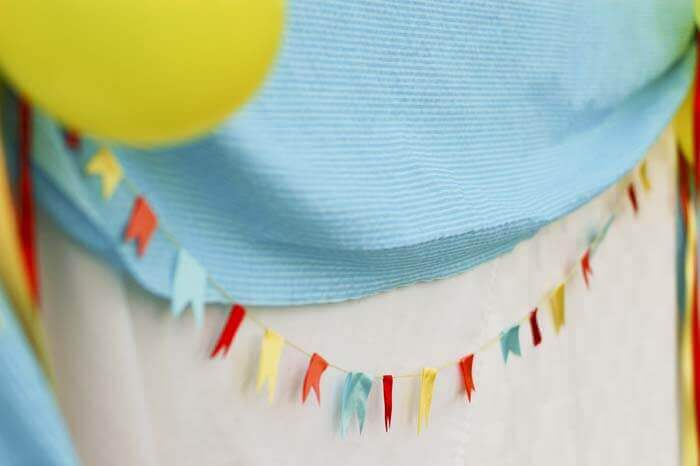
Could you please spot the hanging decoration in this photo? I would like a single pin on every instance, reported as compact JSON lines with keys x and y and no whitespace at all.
{"x":427,"y":386}
{"x":189,"y":286}
{"x":586,"y":270}
{"x":312,"y":379}
{"x":235,"y":317}
{"x":465,"y":366}
{"x":190,"y":281}
{"x":354,"y":400}
{"x":388,"y":385}
{"x":142,"y":225}
{"x":270,"y":353}
{"x":556,"y":304}
{"x":535,"y":328}
{"x":105,"y":165}
{"x":510,"y":342}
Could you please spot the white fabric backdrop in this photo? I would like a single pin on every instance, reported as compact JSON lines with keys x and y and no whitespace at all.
{"x":137,"y":386}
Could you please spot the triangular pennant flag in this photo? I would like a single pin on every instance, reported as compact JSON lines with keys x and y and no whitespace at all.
{"x":189,"y":286}
{"x":586,"y":270}
{"x":427,"y":385}
{"x":71,"y":139}
{"x":535,"y":328}
{"x":105,"y":165}
{"x":644,"y":176}
{"x":312,"y":379}
{"x":234,"y":320}
{"x":354,"y":400}
{"x":510,"y":342}
{"x":465,"y":367}
{"x":142,"y":225}
{"x":632,"y":194}
{"x":388,"y":383}
{"x":557,"y":302}
{"x":270,"y":352}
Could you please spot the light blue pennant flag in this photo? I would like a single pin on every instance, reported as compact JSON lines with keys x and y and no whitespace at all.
{"x":189,"y":286}
{"x":354,"y":401}
{"x":510,"y":342}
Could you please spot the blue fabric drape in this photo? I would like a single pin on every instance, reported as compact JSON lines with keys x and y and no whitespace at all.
{"x":397,"y":141}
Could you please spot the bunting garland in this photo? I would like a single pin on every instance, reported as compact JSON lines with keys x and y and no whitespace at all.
{"x":270,"y":353}
{"x":354,"y":400}
{"x":234,"y":320}
{"x":388,"y":384}
{"x":427,"y":386}
{"x":535,"y":328}
{"x":105,"y":165}
{"x":556,"y":305}
{"x":142,"y":225}
{"x":465,"y":366}
{"x":510,"y":342}
{"x":312,"y":379}
{"x":190,"y":281}
{"x":586,"y":271}
{"x":189,"y":286}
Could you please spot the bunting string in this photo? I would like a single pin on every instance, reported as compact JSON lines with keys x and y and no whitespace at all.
{"x":190,"y":281}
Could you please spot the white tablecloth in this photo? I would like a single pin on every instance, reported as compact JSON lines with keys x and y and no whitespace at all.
{"x":137,"y":387}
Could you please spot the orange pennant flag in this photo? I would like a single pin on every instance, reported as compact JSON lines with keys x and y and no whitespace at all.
{"x":141,"y":226}
{"x":313,"y":377}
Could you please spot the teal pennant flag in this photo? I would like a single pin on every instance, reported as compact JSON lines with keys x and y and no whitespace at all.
{"x":189,"y":286}
{"x":510,"y":342}
{"x":354,"y":401}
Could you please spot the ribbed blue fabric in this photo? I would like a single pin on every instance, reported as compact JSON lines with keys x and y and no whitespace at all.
{"x":397,"y":141}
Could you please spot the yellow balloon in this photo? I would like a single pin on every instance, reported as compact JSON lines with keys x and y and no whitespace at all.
{"x":142,"y":72}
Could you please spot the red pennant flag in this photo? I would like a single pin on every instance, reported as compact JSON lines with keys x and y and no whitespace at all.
{"x":535,"y":328}
{"x":235,"y":317}
{"x":586,"y":267}
{"x":142,"y":224}
{"x":71,"y":139}
{"x":632,"y":194}
{"x":25,"y":212}
{"x":388,"y":382}
{"x":465,"y":365}
{"x":312,"y":379}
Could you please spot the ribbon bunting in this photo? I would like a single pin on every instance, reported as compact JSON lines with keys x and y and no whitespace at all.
{"x":71,"y":139}
{"x":105,"y":165}
{"x":644,"y":176}
{"x":632,"y":195}
{"x":510,"y":342}
{"x":235,"y":317}
{"x":427,"y":385}
{"x":388,"y":385}
{"x":465,"y":367}
{"x":535,"y":328}
{"x":312,"y":379}
{"x":189,"y":286}
{"x":354,"y":400}
{"x":142,"y":225}
{"x":586,"y":270}
{"x":25,"y":211}
{"x":557,"y":306}
{"x":270,"y":353}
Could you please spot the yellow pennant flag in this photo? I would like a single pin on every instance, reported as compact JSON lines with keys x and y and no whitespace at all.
{"x":270,"y":352}
{"x":106,"y":166}
{"x":427,"y":384}
{"x":644,"y":176}
{"x":557,"y":306}
{"x":683,"y":125}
